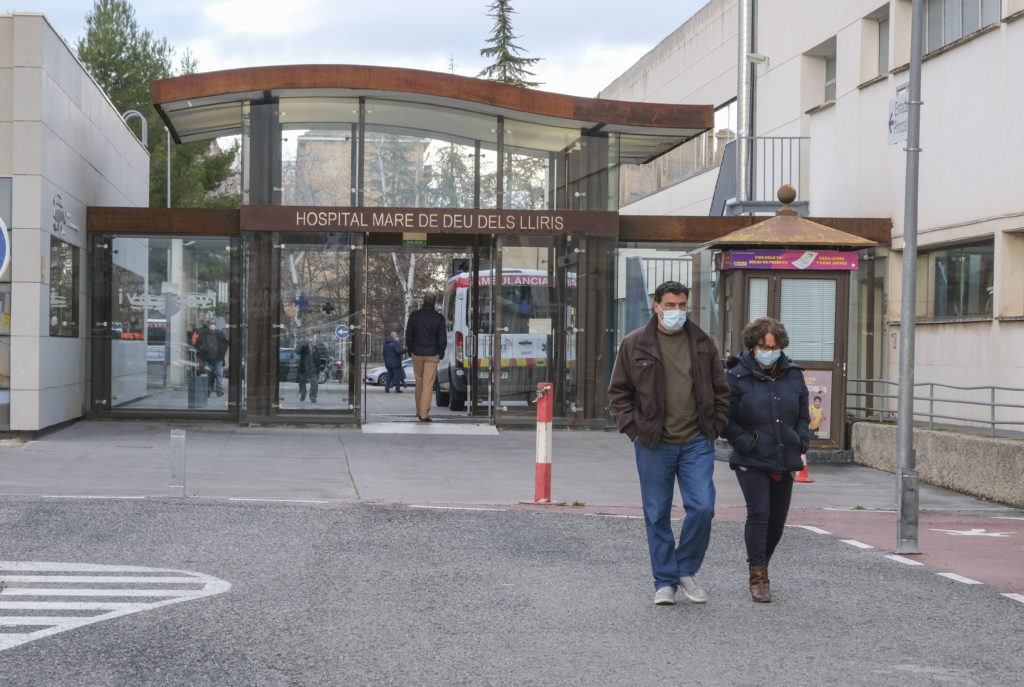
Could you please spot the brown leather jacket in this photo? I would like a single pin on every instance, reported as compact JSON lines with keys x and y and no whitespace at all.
{"x":636,"y":394}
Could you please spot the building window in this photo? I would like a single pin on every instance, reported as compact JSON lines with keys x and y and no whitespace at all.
{"x":830,"y":78}
{"x":63,"y":288}
{"x":951,"y":20}
{"x":956,"y":281}
{"x":883,"y":46}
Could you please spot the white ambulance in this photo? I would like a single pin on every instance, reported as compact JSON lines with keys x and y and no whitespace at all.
{"x":524,"y":315}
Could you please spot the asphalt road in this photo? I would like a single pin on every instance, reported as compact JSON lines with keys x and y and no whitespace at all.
{"x":386,"y":594}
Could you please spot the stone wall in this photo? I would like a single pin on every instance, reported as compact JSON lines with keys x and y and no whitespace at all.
{"x":991,"y":468}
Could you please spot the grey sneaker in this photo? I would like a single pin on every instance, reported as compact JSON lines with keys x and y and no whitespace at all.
{"x":665,"y":596}
{"x":694,"y":592}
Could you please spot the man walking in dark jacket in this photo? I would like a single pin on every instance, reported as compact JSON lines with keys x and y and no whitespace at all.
{"x":212,"y":346}
{"x":312,"y":357}
{"x":393,"y":353}
{"x":426,"y":338}
{"x":669,"y":395}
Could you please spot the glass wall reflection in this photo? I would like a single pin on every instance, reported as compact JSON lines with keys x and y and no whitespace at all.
{"x":170,"y":323}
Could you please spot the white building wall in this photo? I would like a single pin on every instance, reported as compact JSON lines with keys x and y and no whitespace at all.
{"x":970,"y":168}
{"x":62,"y":142}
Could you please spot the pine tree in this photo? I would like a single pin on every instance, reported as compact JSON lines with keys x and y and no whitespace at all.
{"x":123,"y":58}
{"x":508,"y":66}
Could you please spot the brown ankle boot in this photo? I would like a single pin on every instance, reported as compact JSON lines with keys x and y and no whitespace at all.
{"x":760,"y":587}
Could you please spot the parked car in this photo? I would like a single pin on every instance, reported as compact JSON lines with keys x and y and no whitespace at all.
{"x":334,"y":369}
{"x":379,"y":375}
{"x":287,"y":365}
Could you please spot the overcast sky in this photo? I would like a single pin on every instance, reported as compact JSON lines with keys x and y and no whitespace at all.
{"x":585,"y":44}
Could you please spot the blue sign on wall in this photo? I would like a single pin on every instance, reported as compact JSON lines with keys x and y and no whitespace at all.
{"x":5,"y":247}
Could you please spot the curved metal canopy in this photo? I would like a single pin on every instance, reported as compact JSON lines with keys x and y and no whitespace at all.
{"x":210,"y":105}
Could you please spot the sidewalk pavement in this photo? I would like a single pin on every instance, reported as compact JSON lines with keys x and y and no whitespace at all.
{"x":447,"y":463}
{"x":439,"y":462}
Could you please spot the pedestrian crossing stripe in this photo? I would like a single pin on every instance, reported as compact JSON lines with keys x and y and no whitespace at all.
{"x":40,"y":599}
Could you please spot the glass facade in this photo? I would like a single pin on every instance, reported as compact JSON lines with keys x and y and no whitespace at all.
{"x":367,"y":152}
{"x":171,"y":324}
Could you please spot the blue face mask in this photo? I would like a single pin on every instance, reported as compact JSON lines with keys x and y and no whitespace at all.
{"x":766,"y":358}
{"x":673,"y":320}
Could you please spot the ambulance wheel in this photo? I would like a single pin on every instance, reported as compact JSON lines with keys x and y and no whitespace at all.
{"x":440,"y":396}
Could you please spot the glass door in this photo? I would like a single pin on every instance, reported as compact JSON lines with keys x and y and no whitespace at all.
{"x":302,"y":338}
{"x":528,"y":314}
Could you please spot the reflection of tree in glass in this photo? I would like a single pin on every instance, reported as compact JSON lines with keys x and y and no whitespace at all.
{"x":395,"y":170}
{"x":450,"y":177}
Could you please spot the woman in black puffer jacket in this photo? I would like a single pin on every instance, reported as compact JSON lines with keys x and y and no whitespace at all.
{"x":768,"y":418}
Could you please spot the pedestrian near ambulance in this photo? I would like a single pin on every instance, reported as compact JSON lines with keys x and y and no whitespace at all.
{"x":426,"y":337}
{"x":668,"y":394}
{"x":768,"y":419}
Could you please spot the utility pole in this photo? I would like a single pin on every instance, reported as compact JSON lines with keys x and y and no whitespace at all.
{"x":907,"y":498}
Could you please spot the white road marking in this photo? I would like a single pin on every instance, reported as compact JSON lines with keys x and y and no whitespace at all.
{"x":958,"y":578}
{"x":19,"y":594}
{"x":816,"y":530}
{"x":976,"y":532}
{"x":239,"y":498}
{"x":904,"y":561}
{"x":1015,"y":597}
{"x":414,"y":505}
{"x":858,"y":544}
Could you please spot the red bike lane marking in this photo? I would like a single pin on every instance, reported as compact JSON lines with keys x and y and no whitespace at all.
{"x":987,"y":549}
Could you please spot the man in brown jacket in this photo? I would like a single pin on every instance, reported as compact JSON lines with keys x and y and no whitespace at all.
{"x":669,"y":395}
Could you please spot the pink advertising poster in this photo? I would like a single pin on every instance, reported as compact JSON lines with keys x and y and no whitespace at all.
{"x":767,"y":259}
{"x":819,"y":400}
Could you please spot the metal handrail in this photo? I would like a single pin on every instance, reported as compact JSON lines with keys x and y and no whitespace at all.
{"x":774,"y":161}
{"x":879,"y":411}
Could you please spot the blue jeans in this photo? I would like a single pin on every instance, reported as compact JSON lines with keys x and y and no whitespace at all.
{"x":216,"y":370}
{"x":693,"y":465}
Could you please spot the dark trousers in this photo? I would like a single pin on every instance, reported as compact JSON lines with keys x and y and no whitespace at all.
{"x":313,"y":387}
{"x":767,"y":508}
{"x":395,"y":378}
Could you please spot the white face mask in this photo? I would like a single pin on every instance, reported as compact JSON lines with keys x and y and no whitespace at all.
{"x":672,"y":320}
{"x":767,"y":358}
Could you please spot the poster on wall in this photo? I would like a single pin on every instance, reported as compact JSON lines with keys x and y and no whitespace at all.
{"x":819,"y":400}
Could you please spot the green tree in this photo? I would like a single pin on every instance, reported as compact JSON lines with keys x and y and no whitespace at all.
{"x":123,"y":58}
{"x":508,"y":66}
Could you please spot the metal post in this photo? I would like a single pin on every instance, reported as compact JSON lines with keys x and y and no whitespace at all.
{"x":907,"y":502}
{"x":542,"y":482}
{"x":168,"y":166}
{"x":177,"y":463}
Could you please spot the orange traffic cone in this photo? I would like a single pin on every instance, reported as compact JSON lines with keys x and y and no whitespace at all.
{"x":802,"y":475}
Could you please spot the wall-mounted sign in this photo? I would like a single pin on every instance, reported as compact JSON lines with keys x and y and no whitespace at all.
{"x":786,"y":260}
{"x":413,"y":238}
{"x":5,"y":247}
{"x":899,"y":115}
{"x":61,"y":217}
{"x":429,"y":220}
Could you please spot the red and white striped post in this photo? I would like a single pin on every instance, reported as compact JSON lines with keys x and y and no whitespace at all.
{"x":542,"y":489}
